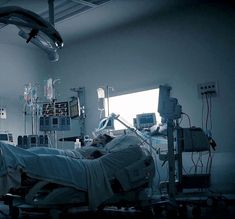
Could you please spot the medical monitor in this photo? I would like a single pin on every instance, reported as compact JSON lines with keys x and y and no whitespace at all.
{"x":145,"y":120}
{"x":168,"y":107}
{"x":3,"y":137}
{"x":164,"y":95}
{"x":74,"y":108}
{"x":6,"y":137}
{"x":55,"y":109}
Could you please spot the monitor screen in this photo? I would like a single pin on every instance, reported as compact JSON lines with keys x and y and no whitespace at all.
{"x":3,"y":137}
{"x":55,"y":121}
{"x":145,"y":120}
{"x":47,"y":121}
{"x":62,"y":121}
{"x":56,"y":109}
{"x":74,"y":108}
{"x":33,"y":140}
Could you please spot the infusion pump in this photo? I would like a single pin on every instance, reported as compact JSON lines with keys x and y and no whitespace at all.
{"x":54,"y":123}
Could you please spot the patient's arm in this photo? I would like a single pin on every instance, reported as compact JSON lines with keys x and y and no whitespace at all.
{"x":87,"y":152}
{"x":91,"y":152}
{"x":54,"y":151}
{"x":95,"y":154}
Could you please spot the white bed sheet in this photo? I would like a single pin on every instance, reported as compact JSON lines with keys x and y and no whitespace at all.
{"x":64,"y":167}
{"x":80,"y":174}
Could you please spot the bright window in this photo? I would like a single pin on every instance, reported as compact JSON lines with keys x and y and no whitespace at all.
{"x":129,"y":105}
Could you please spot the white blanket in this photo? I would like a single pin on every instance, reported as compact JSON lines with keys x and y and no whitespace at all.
{"x":64,"y":168}
{"x":85,"y":175}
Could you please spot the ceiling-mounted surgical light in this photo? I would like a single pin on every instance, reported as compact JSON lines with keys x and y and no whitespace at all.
{"x":34,"y":29}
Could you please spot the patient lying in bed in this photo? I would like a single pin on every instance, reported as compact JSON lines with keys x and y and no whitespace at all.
{"x":100,"y":146}
{"x":94,"y":150}
{"x":119,"y":159}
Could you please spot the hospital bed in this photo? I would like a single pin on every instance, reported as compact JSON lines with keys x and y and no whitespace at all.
{"x":43,"y":179}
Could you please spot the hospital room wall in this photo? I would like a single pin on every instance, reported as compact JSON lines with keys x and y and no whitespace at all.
{"x":19,"y":65}
{"x":181,"y":47}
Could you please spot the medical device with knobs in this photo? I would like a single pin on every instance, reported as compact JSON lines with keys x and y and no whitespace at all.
{"x":169,"y":110}
{"x":168,"y":107}
{"x":181,"y":140}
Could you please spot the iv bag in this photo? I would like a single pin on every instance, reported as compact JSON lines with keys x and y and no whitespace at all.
{"x":101,"y":96}
{"x":48,"y":91}
{"x":101,"y":93}
{"x":27,"y":93}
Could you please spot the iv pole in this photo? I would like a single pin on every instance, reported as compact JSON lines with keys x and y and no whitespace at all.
{"x":107,"y":94}
{"x":107,"y":91}
{"x":170,"y":110}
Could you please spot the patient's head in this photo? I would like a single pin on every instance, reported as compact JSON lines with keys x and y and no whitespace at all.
{"x":101,"y":140}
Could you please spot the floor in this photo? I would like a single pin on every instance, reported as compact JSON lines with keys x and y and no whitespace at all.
{"x":218,"y":212}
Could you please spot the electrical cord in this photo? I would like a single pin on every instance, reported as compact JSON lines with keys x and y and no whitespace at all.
{"x":201,"y":162}
{"x":202,"y":115}
{"x":184,"y":170}
{"x":189,"y":120}
{"x":158,"y":172}
{"x":208,"y":127}
{"x":210,"y":100}
{"x":192,"y":154}
{"x":207,"y":112}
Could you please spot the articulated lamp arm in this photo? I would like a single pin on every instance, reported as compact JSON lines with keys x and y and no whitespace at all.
{"x":33,"y":28}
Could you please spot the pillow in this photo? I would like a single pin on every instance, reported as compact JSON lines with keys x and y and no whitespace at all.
{"x":122,"y":142}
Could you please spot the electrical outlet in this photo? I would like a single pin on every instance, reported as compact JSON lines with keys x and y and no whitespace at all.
{"x":209,"y":88}
{"x":3,"y":114}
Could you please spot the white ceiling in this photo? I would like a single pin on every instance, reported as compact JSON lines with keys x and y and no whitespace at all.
{"x":108,"y":15}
